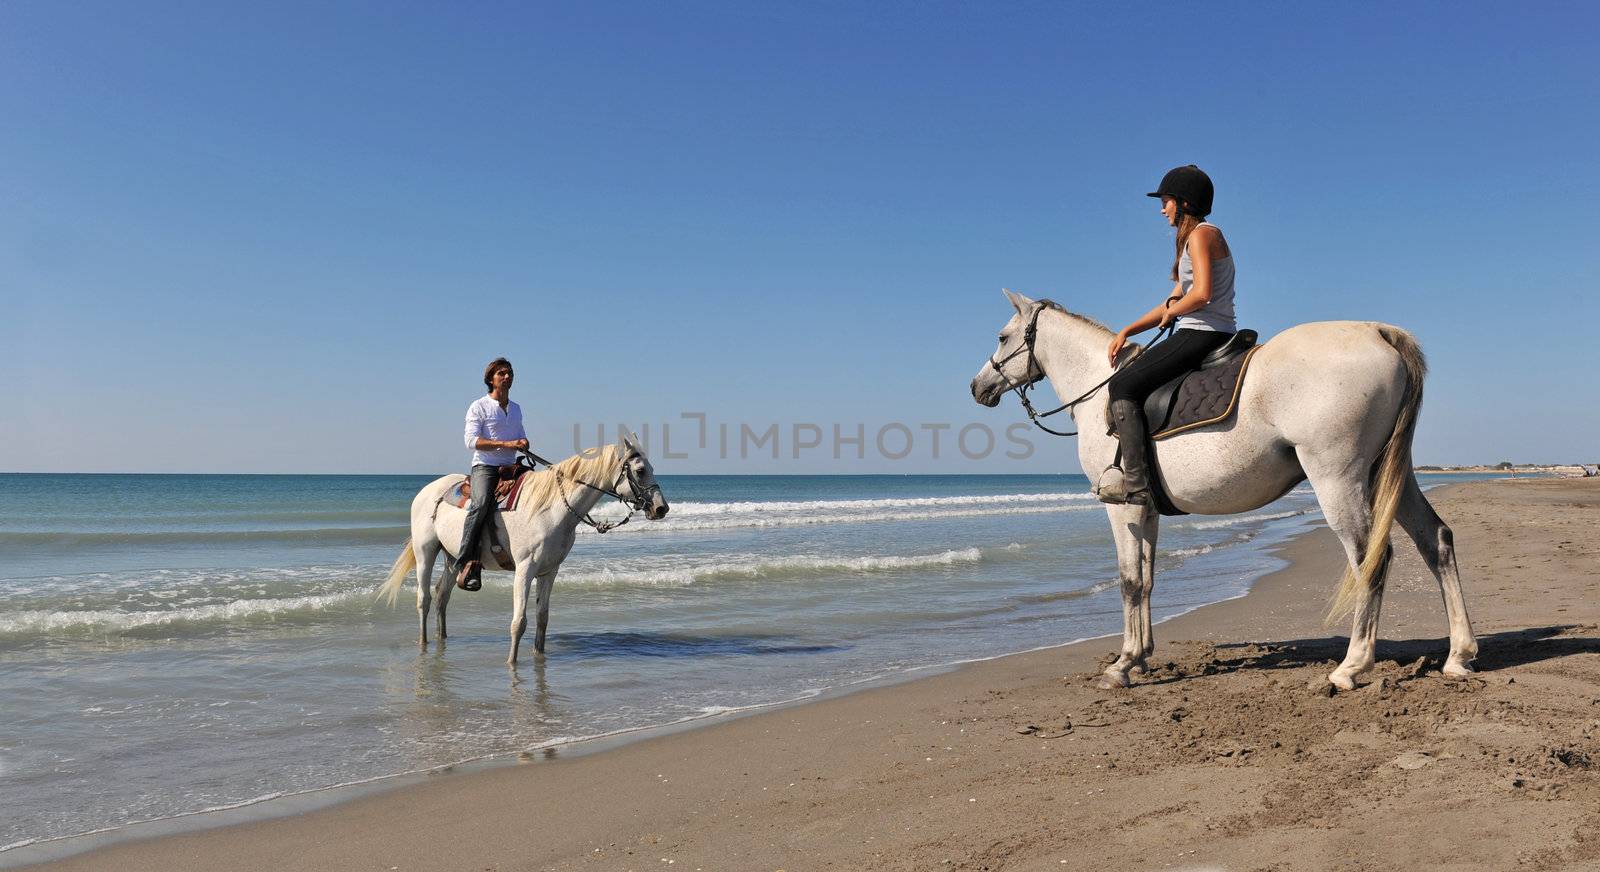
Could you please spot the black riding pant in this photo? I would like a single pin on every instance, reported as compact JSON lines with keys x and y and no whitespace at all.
{"x":1164,"y":361}
{"x":481,"y":511}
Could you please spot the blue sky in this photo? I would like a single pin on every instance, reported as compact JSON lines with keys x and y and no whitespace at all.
{"x":285,"y":237}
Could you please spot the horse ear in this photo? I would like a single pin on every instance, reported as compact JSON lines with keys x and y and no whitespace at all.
{"x":1022,"y":304}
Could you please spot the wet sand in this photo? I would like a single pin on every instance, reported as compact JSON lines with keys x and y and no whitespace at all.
{"x":1230,"y":755}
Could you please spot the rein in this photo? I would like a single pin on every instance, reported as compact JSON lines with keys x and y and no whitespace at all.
{"x":637,"y":504}
{"x":1029,"y":335}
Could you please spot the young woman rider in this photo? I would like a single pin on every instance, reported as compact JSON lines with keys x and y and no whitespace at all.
{"x":1201,"y":302}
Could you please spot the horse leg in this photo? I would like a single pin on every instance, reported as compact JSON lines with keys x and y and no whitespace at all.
{"x":542,"y":606}
{"x":1437,"y":545}
{"x":446,"y":584}
{"x":519,"y":607}
{"x":424,"y":555}
{"x":1341,"y":488}
{"x":1133,"y":530}
{"x":1147,"y":564}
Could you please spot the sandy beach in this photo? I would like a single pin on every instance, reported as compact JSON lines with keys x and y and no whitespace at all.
{"x":1230,"y":755}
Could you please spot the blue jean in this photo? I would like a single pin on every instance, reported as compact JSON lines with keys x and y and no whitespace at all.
{"x":481,"y":512}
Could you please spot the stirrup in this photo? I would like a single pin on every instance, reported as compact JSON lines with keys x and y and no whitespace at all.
{"x":471,"y":576}
{"x":1113,"y":492}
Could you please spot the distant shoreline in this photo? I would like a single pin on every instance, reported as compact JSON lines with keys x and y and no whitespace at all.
{"x":435,"y":473}
{"x":1560,"y":469}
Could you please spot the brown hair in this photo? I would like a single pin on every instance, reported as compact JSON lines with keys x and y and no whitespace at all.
{"x":1187,"y":222}
{"x":488,"y":371}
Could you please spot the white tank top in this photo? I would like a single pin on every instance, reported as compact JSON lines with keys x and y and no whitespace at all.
{"x":1217,"y":315}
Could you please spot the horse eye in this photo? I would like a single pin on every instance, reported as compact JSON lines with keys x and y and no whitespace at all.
{"x":1002,"y":337}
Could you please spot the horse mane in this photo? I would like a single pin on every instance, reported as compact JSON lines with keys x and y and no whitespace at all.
{"x":1084,"y":319}
{"x":597,"y":466}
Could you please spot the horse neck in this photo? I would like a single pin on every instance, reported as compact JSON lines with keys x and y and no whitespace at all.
{"x":582,"y":492}
{"x":583,"y":499}
{"x":1072,"y":353}
{"x":579,"y":498}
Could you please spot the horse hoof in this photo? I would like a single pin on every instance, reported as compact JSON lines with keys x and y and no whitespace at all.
{"x":1457,"y":669}
{"x":1341,"y":681}
{"x":1113,"y":681}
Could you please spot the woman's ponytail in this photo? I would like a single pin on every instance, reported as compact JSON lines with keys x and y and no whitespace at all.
{"x":1187,"y":222}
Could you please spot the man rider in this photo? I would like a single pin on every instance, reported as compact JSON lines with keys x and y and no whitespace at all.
{"x":494,"y":434}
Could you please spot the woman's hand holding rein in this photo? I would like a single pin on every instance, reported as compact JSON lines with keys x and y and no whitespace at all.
{"x":1117,"y":342}
{"x":1153,"y":318}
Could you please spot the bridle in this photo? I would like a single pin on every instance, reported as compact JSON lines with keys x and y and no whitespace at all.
{"x":639,"y":502}
{"x":1034,"y":373}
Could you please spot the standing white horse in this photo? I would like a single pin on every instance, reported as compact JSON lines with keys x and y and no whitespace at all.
{"x":1334,"y":402}
{"x":541,"y":530}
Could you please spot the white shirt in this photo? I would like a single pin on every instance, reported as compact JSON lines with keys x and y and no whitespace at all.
{"x":486,"y":420}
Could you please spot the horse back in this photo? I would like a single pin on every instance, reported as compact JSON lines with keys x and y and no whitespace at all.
{"x":433,"y":490}
{"x":1328,"y":387}
{"x":1328,"y":382}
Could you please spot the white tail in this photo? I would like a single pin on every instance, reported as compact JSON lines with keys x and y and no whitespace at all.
{"x":403,"y":565}
{"x":1390,"y":474}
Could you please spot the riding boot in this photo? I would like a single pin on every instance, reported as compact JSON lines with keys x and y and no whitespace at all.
{"x":478,"y":523}
{"x":1130,"y":482}
{"x":470,"y":576}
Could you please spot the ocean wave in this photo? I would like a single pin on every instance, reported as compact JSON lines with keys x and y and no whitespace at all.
{"x":356,"y":595}
{"x":1244,"y":519}
{"x":1194,"y":552}
{"x":134,"y":539}
{"x":215,"y":519}
{"x":40,"y":622}
{"x":698,"y":508}
{"x":165,"y":580}
{"x":732,"y":521}
{"x":758,"y":568}
{"x":685,"y":516}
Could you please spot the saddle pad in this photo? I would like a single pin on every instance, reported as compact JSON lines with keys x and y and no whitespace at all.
{"x":1206,"y":397}
{"x":461,"y":495}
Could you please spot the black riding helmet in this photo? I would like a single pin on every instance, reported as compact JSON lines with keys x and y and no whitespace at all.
{"x":1190,"y":186}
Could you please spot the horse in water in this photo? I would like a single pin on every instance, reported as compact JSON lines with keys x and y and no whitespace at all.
{"x":1334,"y":402}
{"x":540,"y":530}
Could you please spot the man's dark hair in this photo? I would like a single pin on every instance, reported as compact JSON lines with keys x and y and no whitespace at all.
{"x":488,"y":371}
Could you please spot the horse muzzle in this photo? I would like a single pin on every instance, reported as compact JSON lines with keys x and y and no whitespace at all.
{"x":987,"y":394}
{"x":657,"y":508}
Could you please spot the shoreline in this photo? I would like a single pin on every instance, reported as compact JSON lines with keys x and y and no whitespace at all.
{"x":1274,"y":533}
{"x":266,"y":809}
{"x":269,"y":808}
{"x":628,"y":761}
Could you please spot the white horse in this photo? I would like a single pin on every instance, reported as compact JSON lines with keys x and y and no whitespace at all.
{"x":1334,"y":402}
{"x":541,"y":530}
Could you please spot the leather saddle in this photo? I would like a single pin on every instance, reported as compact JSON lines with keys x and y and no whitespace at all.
{"x":506,"y":489}
{"x":1204,"y":396}
{"x":1199,"y":398}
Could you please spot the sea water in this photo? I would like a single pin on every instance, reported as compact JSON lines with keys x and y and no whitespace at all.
{"x":171,"y":643}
